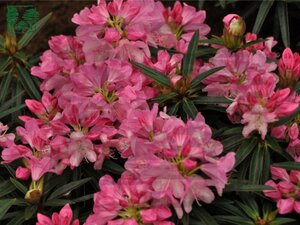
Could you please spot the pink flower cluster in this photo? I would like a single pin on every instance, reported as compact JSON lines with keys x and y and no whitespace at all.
{"x":291,"y":133}
{"x":249,"y":79}
{"x":127,"y":202}
{"x":287,"y":190}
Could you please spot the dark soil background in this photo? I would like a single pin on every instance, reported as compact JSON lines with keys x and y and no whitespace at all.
{"x":63,"y":10}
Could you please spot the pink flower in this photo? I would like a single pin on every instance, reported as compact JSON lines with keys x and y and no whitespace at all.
{"x":286,"y":191}
{"x":234,"y":24}
{"x":64,"y":217}
{"x":22,"y":173}
{"x":240,"y":69}
{"x":289,"y":68}
{"x":127,"y":202}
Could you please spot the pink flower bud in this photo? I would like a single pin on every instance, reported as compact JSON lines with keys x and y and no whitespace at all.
{"x":293,"y":131}
{"x":234,"y":24}
{"x":22,"y":173}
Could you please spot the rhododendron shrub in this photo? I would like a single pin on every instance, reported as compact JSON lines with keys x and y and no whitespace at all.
{"x":146,"y":120}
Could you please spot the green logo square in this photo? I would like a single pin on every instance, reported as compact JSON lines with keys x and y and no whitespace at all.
{"x":21,"y":17}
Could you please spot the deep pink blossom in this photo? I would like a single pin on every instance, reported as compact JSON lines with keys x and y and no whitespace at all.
{"x":64,"y":217}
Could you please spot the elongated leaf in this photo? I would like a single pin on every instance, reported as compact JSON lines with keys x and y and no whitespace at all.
{"x":152,"y":73}
{"x":248,"y":210}
{"x":83,"y":198}
{"x":28,"y":84}
{"x":67,"y":188}
{"x":203,"y":216}
{"x":232,"y":142}
{"x":216,"y":41}
{"x":32,"y":31}
{"x":256,"y":166}
{"x":288,"y":165}
{"x":212,"y":100}
{"x":113,"y":167}
{"x":30,"y":211}
{"x":282,"y":11}
{"x":4,"y":63}
{"x":263,"y":11}
{"x":6,"y":187}
{"x":238,"y":220}
{"x":189,"y":108}
{"x":18,"y":220}
{"x":205,"y":51}
{"x":19,"y":186}
{"x":11,"y":101}
{"x":165,"y":97}
{"x":5,"y":204}
{"x":282,"y":221}
{"x":11,"y":110}
{"x":232,"y":131}
{"x":197,"y":80}
{"x":190,"y":56}
{"x":240,"y":187}
{"x":57,"y":202}
{"x":254,"y":42}
{"x":222,"y":3}
{"x":200,"y":4}
{"x":244,"y":150}
{"x":5,"y":87}
{"x":172,"y":110}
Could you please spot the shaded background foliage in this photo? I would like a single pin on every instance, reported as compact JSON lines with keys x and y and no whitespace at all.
{"x":270,"y":18}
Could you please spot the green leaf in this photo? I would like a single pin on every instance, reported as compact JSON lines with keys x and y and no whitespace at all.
{"x":232,"y":142}
{"x":204,"y":50}
{"x":232,"y":131}
{"x":190,"y":56}
{"x":5,"y":204}
{"x":263,"y":11}
{"x":5,"y":87}
{"x":68,"y":188}
{"x":27,"y":83}
{"x":4,"y":64}
{"x":113,"y":167}
{"x":248,"y":210}
{"x":11,"y":101}
{"x":6,"y":187}
{"x":30,"y":211}
{"x":200,"y":4}
{"x":11,"y":110}
{"x":240,"y":187}
{"x":216,"y":41}
{"x":189,"y":108}
{"x":58,"y":202}
{"x":83,"y":198}
{"x":244,"y":150}
{"x":282,"y":221}
{"x":19,"y":186}
{"x":288,"y":165}
{"x":254,"y":42}
{"x":197,"y":80}
{"x":222,"y":3}
{"x":238,"y":220}
{"x":203,"y":216}
{"x":163,"y":98}
{"x":282,"y":11}
{"x":256,"y":166}
{"x":32,"y":31}
{"x":212,"y":100}
{"x":173,"y":109}
{"x":152,"y":73}
{"x":18,"y":220}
